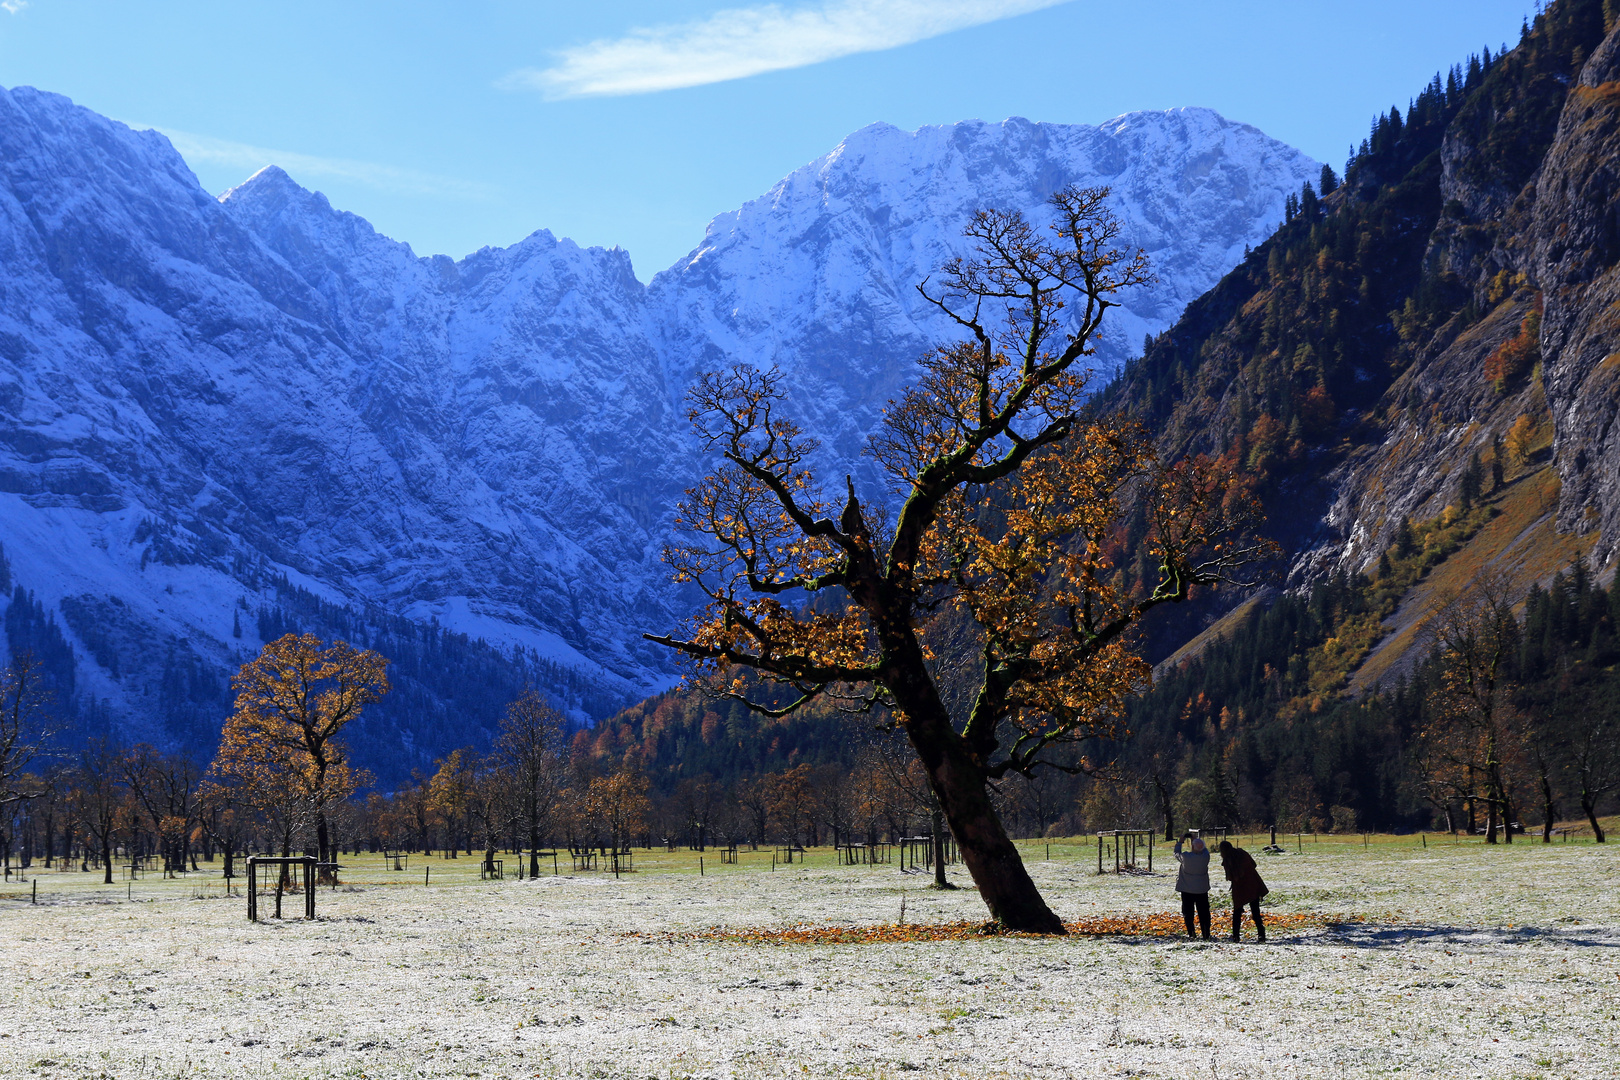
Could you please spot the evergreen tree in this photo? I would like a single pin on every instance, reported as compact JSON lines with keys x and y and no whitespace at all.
{"x":1405,"y":542}
{"x":1473,"y":480}
{"x":1307,"y":204}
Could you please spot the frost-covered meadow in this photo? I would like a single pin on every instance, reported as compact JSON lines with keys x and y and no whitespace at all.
{"x":1459,"y":961}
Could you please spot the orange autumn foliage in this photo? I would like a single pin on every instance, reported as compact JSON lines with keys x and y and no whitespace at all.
{"x":1161,"y":924}
{"x":1519,"y":353}
{"x":280,"y":745}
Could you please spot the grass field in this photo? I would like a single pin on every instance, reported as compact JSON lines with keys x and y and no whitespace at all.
{"x":1446,"y":960}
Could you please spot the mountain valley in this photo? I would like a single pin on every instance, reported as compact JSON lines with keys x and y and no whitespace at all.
{"x":221,"y":416}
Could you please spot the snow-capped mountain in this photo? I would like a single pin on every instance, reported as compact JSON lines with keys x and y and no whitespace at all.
{"x":819,"y":276}
{"x":207,"y":402}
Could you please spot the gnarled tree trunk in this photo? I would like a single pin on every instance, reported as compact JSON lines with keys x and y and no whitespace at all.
{"x":961,"y":787}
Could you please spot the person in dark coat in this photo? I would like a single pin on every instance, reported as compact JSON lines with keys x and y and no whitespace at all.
{"x":1247,"y":888}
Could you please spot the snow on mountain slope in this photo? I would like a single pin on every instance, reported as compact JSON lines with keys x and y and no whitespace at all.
{"x":200,"y":398}
{"x":819,"y":275}
{"x":260,"y":384}
{"x":515,"y":403}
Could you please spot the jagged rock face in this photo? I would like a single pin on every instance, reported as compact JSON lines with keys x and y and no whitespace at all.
{"x":1518,"y":198}
{"x":1442,"y":411}
{"x":515,"y":395}
{"x":1575,"y":250}
{"x":261,"y":380}
{"x":819,"y":275}
{"x":196,"y":393}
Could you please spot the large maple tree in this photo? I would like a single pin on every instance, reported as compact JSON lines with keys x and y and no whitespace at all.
{"x":1013,"y":511}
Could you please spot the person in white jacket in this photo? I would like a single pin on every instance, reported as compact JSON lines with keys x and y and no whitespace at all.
{"x":1192,"y":882}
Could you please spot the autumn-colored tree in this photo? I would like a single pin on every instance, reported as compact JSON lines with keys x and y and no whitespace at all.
{"x":618,"y":805}
{"x":1010,"y":490}
{"x":794,"y":804}
{"x":448,"y":794}
{"x":1521,"y":436}
{"x":275,"y":785}
{"x":1318,"y":412}
{"x":1519,"y":353}
{"x":292,"y":703}
{"x":381,"y":821}
{"x":1266,"y":442}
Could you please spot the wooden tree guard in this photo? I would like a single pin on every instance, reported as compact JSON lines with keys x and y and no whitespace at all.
{"x":1128,"y":844}
{"x":863,"y":854}
{"x":917,"y":852}
{"x":307,"y":862}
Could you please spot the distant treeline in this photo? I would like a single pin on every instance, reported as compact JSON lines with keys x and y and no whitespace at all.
{"x":1257,"y":720}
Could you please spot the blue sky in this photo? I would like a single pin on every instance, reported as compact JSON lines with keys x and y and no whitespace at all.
{"x":453,"y":126}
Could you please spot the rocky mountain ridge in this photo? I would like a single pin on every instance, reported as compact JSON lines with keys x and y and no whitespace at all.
{"x":820,"y":274}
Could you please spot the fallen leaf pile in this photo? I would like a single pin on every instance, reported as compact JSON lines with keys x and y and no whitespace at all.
{"x":1163,"y":924}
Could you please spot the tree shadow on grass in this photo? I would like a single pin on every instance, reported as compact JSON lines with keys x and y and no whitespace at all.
{"x":1371,"y":935}
{"x":1394,"y":935}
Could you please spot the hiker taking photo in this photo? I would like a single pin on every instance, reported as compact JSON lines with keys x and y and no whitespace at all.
{"x":1192,"y":882}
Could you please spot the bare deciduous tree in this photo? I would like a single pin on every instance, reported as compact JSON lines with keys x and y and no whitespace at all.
{"x":99,"y":803}
{"x":532,"y":742}
{"x":165,"y":786}
{"x":1591,"y":748}
{"x":1473,"y":734}
{"x":26,"y":725}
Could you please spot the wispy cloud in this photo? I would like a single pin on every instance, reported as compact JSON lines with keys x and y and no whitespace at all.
{"x":739,"y":42}
{"x":197,"y":148}
{"x":11,"y":7}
